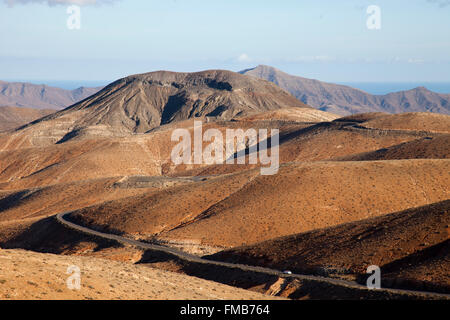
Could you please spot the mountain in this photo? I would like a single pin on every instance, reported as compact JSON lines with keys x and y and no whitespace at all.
{"x":13,"y":117}
{"x":139,"y":103}
{"x":29,"y":95}
{"x":344,"y":100}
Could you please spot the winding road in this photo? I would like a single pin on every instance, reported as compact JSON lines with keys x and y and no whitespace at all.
{"x":360,"y":290}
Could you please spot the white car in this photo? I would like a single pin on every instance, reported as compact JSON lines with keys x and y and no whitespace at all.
{"x":287,"y":272}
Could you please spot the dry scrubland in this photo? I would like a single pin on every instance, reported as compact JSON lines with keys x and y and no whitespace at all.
{"x":246,"y":208}
{"x":411,"y":245}
{"x":13,"y":117}
{"x":345,"y":185}
{"x":45,"y":201}
{"x":28,"y":275}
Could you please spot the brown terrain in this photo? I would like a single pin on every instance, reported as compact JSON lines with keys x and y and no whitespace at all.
{"x":13,"y":117}
{"x":412,"y":248}
{"x":106,"y":161}
{"x":344,"y":100}
{"x":424,"y":148}
{"x":246,"y":208}
{"x":36,"y":276}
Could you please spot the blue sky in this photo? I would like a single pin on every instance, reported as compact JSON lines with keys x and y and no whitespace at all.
{"x":323,"y":39}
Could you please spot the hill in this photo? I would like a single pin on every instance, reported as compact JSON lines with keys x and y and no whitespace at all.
{"x":27,"y":95}
{"x":424,"y":148}
{"x":348,"y":138}
{"x":37,"y":276}
{"x":245,"y":208}
{"x":292,"y":114}
{"x":139,"y":103}
{"x":13,"y":117}
{"x":30,"y":158}
{"x":410,"y":246}
{"x":415,"y":121}
{"x":345,"y":100}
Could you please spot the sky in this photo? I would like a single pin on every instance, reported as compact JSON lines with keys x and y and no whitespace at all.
{"x":327,"y":40}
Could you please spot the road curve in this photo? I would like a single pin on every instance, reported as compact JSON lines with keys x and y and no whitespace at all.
{"x":363,"y":290}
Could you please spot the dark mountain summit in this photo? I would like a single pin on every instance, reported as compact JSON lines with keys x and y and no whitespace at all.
{"x":141,"y":102}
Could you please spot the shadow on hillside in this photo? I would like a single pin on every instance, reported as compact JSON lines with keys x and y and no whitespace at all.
{"x":393,"y":273}
{"x":49,"y":236}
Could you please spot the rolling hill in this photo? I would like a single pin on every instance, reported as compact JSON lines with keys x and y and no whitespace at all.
{"x":13,"y":117}
{"x":412,"y":245}
{"x":37,"y":276}
{"x":245,"y":208}
{"x":107,"y":161}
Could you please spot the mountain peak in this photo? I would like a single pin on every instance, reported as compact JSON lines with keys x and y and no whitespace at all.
{"x":139,"y":103}
{"x":261,"y":68}
{"x":421,"y":88}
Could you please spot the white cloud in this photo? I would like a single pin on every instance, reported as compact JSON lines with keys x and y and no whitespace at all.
{"x":244,"y":58}
{"x":11,"y":3}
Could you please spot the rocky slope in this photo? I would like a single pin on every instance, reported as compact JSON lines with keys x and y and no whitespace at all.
{"x":412,"y":245}
{"x":139,"y":103}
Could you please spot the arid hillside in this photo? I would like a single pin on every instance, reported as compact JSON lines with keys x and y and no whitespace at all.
{"x":13,"y":117}
{"x":246,"y":208}
{"x":25,"y":275}
{"x":106,"y":163}
{"x":137,"y":104}
{"x":417,"y":121}
{"x":292,"y":114}
{"x":411,"y":246}
{"x":30,"y":158}
{"x":347,"y":138}
{"x":424,"y":148}
{"x":48,"y":200}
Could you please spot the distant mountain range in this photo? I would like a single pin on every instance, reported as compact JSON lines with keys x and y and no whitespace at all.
{"x":344,"y":100}
{"x":18,"y":94}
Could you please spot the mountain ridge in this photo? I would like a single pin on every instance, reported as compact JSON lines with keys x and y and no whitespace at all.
{"x":14,"y":117}
{"x":141,"y":102}
{"x":28,"y":95}
{"x":345,"y":100}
